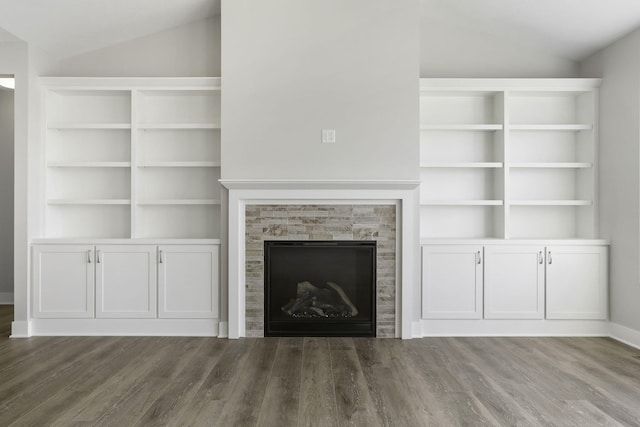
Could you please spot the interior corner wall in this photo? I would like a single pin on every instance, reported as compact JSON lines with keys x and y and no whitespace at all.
{"x":452,"y":51}
{"x":619,"y":171}
{"x":190,"y":50}
{"x":291,"y":68}
{"x":6,"y":196}
{"x":14,"y":59}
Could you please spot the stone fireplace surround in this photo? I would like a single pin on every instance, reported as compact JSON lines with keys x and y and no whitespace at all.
{"x":380,"y":210}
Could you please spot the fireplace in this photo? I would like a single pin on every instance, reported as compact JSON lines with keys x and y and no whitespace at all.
{"x":320,"y":288}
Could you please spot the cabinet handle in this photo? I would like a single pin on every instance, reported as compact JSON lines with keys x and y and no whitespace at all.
{"x":478,"y":257}
{"x":540,"y":258}
{"x":98,"y":256}
{"x":550,"y":260}
{"x":161,"y":253}
{"x":89,"y":256}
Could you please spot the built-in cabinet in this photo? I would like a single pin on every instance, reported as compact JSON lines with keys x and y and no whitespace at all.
{"x":508,"y":158}
{"x":132,"y":158}
{"x":125,"y":281}
{"x":131,"y":207}
{"x":517,"y":281}
{"x":508,"y":205}
{"x":452,"y":279}
{"x":514,"y":282}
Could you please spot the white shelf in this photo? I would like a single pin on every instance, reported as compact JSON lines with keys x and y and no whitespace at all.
{"x":89,"y":202}
{"x":141,"y":158}
{"x":461,"y":203}
{"x":168,"y":202}
{"x":552,"y":127}
{"x":462,"y":127}
{"x":179,"y":165}
{"x":488,"y":165}
{"x":550,"y":202}
{"x":552,"y":165}
{"x":517,"y":156}
{"x":104,"y":126}
{"x":89,"y":164}
{"x":178,"y":126}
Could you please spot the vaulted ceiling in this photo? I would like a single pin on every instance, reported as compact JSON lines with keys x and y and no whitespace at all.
{"x":571,"y":29}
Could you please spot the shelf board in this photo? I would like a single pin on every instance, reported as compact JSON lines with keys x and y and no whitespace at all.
{"x":561,"y":127}
{"x":550,"y":202}
{"x":460,"y":127}
{"x":179,"y":165}
{"x":178,"y":126}
{"x":78,"y":126}
{"x":89,"y":202}
{"x":487,"y":165}
{"x":552,"y":165}
{"x":167,"y":202}
{"x":461,"y":203}
{"x":89,"y":164}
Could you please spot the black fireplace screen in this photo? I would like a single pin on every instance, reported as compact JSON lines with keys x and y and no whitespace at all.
{"x":320,"y":288}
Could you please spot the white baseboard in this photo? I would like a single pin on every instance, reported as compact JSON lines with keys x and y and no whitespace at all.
{"x":20,"y":329}
{"x":523,"y":328}
{"x":416,"y":330}
{"x":623,"y":334}
{"x":6,"y":298}
{"x":125,"y":327}
{"x":223,"y":330}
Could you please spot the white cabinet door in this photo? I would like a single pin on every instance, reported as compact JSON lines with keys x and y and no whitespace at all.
{"x":63,"y":281}
{"x":514,"y":282}
{"x":188,"y":281}
{"x":577,"y":282}
{"x":125,"y":281}
{"x":451,"y":282}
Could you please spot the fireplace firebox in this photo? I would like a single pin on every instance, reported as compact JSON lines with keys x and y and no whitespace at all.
{"x":320,"y":288}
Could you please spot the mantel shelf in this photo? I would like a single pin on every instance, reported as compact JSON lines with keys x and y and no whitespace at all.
{"x":302,"y":184}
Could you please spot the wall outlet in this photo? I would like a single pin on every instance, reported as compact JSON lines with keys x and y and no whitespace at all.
{"x":328,"y":136}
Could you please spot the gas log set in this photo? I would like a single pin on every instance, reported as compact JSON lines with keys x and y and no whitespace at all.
{"x":313,"y":301}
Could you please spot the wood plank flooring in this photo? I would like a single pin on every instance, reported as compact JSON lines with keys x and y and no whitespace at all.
{"x":172,"y":381}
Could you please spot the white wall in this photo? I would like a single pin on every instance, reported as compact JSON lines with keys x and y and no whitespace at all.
{"x":619,"y":66}
{"x":292,"y":67}
{"x":14,"y":59}
{"x":190,"y":50}
{"x":6,"y":196}
{"x":450,"y":50}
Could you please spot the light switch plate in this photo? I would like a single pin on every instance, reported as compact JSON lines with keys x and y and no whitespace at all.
{"x":328,"y":136}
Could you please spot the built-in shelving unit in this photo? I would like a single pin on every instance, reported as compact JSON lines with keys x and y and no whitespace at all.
{"x":132,"y":158}
{"x":508,"y":158}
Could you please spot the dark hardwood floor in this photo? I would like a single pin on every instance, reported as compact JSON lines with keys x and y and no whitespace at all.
{"x":147,"y":381}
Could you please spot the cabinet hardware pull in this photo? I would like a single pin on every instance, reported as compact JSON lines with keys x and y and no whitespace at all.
{"x":478,"y":257}
{"x":161,"y":257}
{"x":540,"y":259}
{"x":550,"y":260}
{"x":98,"y":256}
{"x":89,"y":255}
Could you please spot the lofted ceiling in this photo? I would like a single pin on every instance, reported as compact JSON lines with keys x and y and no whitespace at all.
{"x":66,"y":28}
{"x":571,"y":29}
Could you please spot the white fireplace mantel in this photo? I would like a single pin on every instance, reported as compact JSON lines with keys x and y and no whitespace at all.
{"x":402,"y":193}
